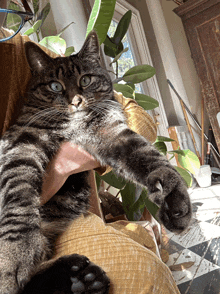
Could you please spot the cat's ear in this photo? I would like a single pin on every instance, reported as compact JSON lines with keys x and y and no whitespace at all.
{"x":90,"y":47}
{"x":36,"y":57}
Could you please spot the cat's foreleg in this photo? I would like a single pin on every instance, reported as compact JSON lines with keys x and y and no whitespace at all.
{"x":135,"y":159}
{"x":22,"y":245}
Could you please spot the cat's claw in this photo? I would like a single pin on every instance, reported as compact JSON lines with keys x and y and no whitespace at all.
{"x":73,"y":274}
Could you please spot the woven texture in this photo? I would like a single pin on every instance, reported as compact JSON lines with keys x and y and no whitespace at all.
{"x":138,"y":119}
{"x":131,"y":267}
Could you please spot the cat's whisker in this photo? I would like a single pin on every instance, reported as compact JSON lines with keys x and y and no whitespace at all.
{"x":99,"y":108}
{"x":41,"y":114}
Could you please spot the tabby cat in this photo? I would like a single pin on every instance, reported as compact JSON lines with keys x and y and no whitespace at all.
{"x":70,"y":99}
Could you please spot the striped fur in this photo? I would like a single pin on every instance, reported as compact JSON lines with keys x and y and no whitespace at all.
{"x":60,"y":106}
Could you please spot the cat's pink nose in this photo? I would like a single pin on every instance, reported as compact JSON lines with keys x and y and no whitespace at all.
{"x":77,"y":100}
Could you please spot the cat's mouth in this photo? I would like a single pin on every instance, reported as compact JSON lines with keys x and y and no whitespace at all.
{"x":73,"y":109}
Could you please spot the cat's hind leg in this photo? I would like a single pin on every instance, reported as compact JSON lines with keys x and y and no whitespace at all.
{"x":72,"y":274}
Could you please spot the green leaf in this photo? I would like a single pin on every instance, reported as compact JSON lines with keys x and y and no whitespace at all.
{"x":55,"y":44}
{"x":161,"y":147}
{"x":44,"y":13}
{"x":29,"y":32}
{"x":66,"y":27}
{"x":37,"y":25}
{"x":131,"y":208}
{"x":100,"y":18}
{"x":109,"y":51}
{"x":119,"y":55}
{"x":114,"y":180}
{"x":98,"y":180}
{"x":126,"y":90}
{"x":189,"y":161}
{"x":163,"y":139}
{"x":151,"y":207}
{"x":122,"y":27}
{"x":128,"y":199}
{"x":69,"y":51}
{"x":180,"y":152}
{"x":139,"y":73}
{"x":112,"y":49}
{"x":36,"y":6}
{"x":185,"y":175}
{"x":123,"y":87}
{"x":34,"y":28}
{"x":108,"y":42}
{"x":146,"y":102}
{"x":131,"y":85}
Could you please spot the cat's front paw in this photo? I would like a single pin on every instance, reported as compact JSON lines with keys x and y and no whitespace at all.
{"x":176,"y":211}
{"x":18,"y":261}
{"x":72,"y":274}
{"x":168,"y":190}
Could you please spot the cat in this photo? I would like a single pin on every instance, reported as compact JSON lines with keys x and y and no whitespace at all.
{"x":70,"y":99}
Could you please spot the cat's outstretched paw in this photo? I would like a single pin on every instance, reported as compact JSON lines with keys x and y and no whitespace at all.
{"x":168,"y":190}
{"x":72,"y":274}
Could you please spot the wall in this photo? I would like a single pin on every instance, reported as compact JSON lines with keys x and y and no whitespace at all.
{"x":64,"y":12}
{"x":183,"y":56}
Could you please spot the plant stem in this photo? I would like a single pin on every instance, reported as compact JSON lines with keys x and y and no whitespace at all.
{"x":171,"y":157}
{"x":109,"y":186}
{"x":38,"y":37}
{"x":117,"y":80}
{"x":111,"y":72}
{"x":117,"y":69}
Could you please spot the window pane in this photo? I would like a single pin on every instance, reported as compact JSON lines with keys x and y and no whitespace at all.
{"x":127,"y":60}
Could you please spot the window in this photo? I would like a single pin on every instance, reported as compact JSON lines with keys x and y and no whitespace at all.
{"x":127,"y":60}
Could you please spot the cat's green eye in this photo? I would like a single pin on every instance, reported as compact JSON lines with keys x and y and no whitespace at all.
{"x":85,"y":81}
{"x":56,"y":87}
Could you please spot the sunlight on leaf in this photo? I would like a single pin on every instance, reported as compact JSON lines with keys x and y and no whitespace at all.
{"x":189,"y":161}
{"x":33,"y":29}
{"x":100,"y":18}
{"x":55,"y":44}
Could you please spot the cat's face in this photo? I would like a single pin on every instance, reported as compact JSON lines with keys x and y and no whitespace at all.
{"x":70,"y":84}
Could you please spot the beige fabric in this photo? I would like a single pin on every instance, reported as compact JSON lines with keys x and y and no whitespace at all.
{"x":131,"y":267}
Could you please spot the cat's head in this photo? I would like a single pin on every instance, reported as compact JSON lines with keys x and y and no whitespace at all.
{"x":71,"y":84}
